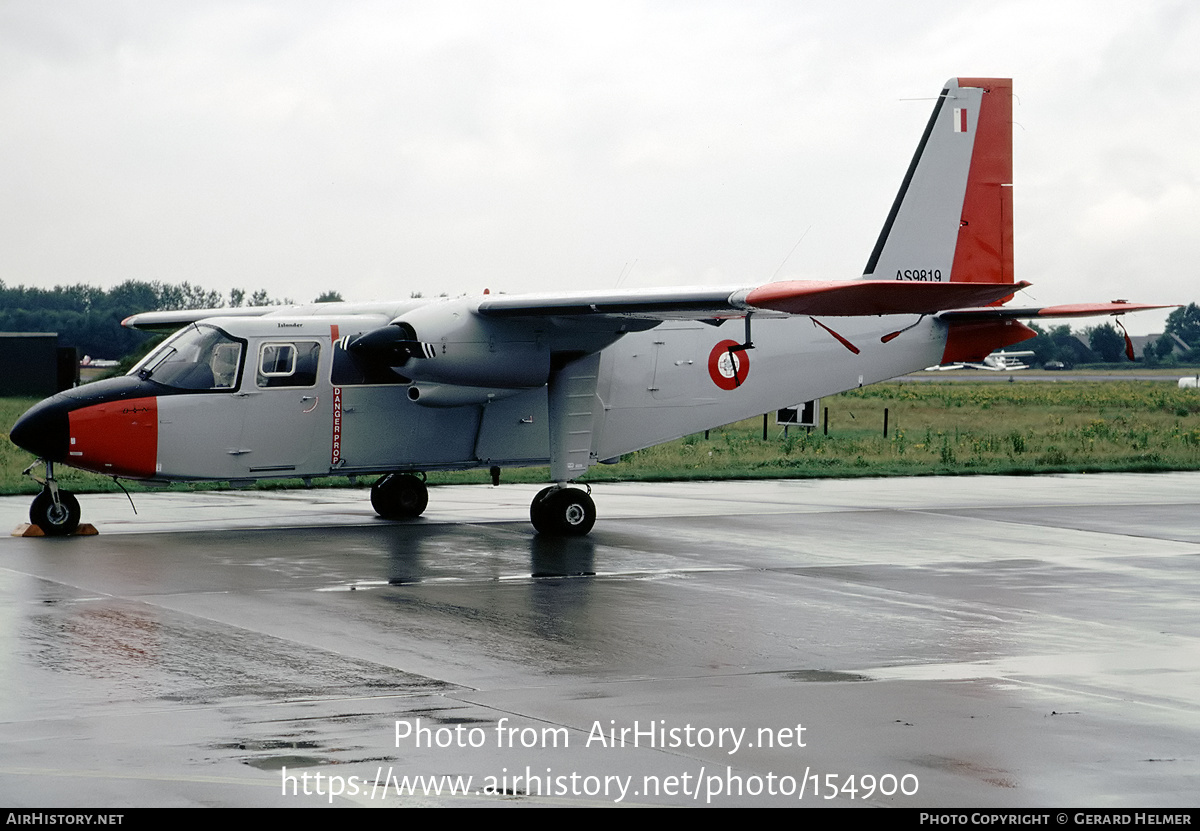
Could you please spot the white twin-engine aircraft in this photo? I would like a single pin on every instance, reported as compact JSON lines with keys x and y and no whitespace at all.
{"x":1000,"y":361}
{"x":567,"y":379}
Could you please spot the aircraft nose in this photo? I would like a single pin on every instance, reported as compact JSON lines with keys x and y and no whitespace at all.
{"x":43,"y":430}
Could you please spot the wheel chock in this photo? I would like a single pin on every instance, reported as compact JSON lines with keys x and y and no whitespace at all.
{"x":85,"y":529}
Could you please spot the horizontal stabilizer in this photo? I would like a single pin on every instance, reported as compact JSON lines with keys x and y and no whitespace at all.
{"x":1117,"y":307}
{"x":875,"y":297}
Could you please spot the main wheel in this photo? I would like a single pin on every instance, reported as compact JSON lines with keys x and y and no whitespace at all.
{"x":537,"y":511}
{"x":562,"y":512}
{"x":399,"y":496}
{"x":55,"y":520}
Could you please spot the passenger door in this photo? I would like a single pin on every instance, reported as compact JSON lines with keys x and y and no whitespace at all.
{"x":288,"y":409}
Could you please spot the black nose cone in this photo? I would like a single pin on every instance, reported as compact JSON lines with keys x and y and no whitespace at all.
{"x":44,"y":430}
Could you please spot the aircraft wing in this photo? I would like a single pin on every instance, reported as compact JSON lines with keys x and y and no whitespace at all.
{"x":952,"y":302}
{"x":169,"y":321}
{"x":827,"y":298}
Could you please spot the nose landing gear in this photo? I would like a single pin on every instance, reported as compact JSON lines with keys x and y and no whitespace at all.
{"x":54,"y":510}
{"x":55,"y":518}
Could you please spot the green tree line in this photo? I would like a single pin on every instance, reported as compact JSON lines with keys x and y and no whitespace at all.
{"x":89,"y":318}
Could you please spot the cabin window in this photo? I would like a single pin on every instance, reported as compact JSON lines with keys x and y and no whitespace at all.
{"x":278,"y":360}
{"x":288,"y":364}
{"x":196,"y":358}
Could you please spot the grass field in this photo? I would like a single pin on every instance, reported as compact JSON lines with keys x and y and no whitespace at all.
{"x":934,"y":428}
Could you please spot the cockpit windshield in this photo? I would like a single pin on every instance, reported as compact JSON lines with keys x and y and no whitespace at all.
{"x":194,"y":358}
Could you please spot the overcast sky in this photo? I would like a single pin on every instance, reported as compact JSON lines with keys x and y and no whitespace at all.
{"x":382,"y":148}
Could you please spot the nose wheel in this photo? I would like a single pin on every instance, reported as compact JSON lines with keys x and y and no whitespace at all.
{"x":562,"y":512}
{"x":54,"y":510}
{"x":55,"y":518}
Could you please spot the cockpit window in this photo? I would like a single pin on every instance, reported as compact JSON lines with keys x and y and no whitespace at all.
{"x":200,"y":358}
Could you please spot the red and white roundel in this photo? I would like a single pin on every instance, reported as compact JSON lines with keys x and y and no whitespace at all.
{"x":728,"y":370}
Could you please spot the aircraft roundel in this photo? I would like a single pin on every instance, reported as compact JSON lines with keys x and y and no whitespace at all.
{"x":728,"y":370}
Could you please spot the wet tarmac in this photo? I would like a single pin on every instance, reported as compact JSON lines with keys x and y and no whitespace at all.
{"x":932,"y":642}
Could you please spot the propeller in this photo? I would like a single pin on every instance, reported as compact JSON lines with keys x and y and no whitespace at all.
{"x":393,"y":345}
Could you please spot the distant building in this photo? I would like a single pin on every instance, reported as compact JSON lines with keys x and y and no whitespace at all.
{"x":32,"y":364}
{"x":1140,"y":342}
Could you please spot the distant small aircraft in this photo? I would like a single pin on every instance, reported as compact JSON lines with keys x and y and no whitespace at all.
{"x":569,"y":379}
{"x":999,"y":361}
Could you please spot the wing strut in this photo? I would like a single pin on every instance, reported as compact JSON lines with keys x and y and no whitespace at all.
{"x":741,"y":347}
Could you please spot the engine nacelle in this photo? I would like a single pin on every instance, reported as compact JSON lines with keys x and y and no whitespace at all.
{"x":456,"y":346}
{"x":444,"y":395}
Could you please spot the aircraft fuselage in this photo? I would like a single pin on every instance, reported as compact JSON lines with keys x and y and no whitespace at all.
{"x":282,"y":398}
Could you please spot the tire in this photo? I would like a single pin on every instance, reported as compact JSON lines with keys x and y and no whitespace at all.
{"x":538,"y":514}
{"x":399,"y":496}
{"x":563,"y":512}
{"x":55,"y":520}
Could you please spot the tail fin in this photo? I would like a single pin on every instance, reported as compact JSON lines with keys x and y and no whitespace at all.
{"x":952,"y":219}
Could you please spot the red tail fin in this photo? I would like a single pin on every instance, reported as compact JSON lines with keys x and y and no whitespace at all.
{"x":952,"y":218}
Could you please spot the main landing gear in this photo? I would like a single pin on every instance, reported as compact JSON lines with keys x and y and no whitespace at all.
{"x":399,"y":496}
{"x":562,"y":512}
{"x":54,"y":510}
{"x":556,"y":511}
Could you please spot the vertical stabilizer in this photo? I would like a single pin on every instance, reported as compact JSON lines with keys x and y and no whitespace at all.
{"x":952,"y":219}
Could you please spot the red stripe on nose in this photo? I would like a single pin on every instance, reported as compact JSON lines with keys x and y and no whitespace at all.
{"x":118,"y":437}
